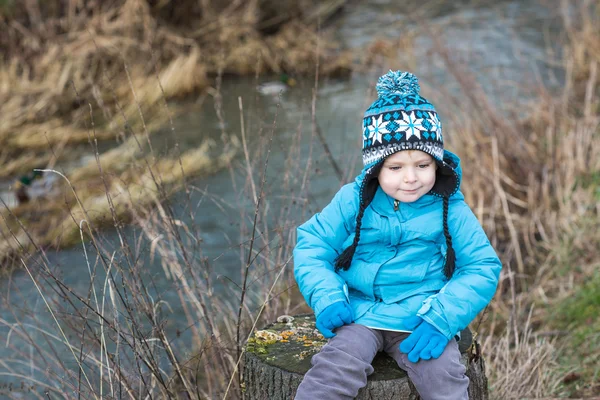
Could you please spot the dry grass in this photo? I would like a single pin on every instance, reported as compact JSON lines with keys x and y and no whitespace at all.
{"x":121,"y":309}
{"x":68,"y":64}
{"x":537,"y":193}
{"x":64,"y":55}
{"x":521,"y":365}
{"x":119,"y":182}
{"x":538,"y":200}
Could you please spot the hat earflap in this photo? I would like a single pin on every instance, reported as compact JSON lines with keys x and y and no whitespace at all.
{"x":447,"y":180}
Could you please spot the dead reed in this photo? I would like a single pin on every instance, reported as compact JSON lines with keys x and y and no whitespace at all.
{"x":536,"y":193}
{"x":537,"y":199}
{"x":64,"y":64}
{"x":62,"y":55}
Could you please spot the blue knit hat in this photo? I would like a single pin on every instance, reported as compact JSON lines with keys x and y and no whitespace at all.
{"x":400,"y":119}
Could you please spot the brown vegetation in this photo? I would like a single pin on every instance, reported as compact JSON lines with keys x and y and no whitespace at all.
{"x":537,"y":192}
{"x":538,"y":200}
{"x":76,"y":71}
{"x":62,"y":56}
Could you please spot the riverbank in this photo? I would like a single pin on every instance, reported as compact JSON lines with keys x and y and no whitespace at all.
{"x":64,"y":62}
{"x":76,"y":74}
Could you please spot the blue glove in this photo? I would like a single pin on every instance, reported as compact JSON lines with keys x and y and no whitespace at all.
{"x":425,"y":342}
{"x":334,"y":316}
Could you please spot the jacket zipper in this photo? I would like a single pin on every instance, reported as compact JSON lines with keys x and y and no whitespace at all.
{"x":396,"y":204}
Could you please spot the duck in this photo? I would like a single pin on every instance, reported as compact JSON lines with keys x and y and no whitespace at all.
{"x":273,"y":88}
{"x":32,"y":185}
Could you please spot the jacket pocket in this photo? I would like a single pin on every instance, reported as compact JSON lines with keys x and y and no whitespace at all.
{"x":360,"y":304}
{"x":410,"y":264}
{"x":406,"y":285}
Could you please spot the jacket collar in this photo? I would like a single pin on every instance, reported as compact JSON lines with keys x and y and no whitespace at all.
{"x":383,"y":204}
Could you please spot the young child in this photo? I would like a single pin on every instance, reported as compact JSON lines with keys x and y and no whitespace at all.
{"x":397,"y":262}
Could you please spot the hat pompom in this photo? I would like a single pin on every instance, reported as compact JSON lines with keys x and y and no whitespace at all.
{"x":397,"y":82}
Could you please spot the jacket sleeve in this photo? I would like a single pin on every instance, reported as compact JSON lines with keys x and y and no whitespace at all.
{"x":320,"y":241}
{"x":475,"y":277}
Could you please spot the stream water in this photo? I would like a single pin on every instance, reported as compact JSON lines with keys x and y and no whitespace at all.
{"x":502,"y":41}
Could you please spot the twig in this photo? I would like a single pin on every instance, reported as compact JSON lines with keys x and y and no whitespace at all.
{"x":514,"y":237}
{"x":254,"y":325}
{"x":256,"y":210}
{"x":334,"y":164}
{"x":59,"y":328}
{"x":246,"y":153}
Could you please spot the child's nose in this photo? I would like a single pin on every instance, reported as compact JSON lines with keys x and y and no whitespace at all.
{"x":410,"y":176}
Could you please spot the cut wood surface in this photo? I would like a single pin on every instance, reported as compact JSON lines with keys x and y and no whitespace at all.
{"x":278,"y":356}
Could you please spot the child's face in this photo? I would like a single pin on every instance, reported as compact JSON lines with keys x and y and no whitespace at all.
{"x":407,"y":175}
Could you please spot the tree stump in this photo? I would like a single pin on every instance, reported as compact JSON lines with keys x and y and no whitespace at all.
{"x":277,"y":357}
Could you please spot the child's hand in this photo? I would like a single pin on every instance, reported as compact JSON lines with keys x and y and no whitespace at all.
{"x":334,"y":316}
{"x":424,"y":342}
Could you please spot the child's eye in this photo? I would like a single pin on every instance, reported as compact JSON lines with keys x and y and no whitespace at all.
{"x":395,"y":168}
{"x":423,"y":166}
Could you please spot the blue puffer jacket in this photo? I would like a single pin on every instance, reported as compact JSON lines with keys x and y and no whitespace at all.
{"x":397,"y":269}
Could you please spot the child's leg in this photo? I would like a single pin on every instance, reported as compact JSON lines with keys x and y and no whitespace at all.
{"x":438,"y":378}
{"x":341,"y":368}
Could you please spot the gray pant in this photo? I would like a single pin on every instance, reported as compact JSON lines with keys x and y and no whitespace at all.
{"x":341,"y":368}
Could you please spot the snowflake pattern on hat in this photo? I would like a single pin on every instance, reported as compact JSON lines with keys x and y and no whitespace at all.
{"x":400,"y":119}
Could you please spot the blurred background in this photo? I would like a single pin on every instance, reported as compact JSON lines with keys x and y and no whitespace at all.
{"x":157,"y":156}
